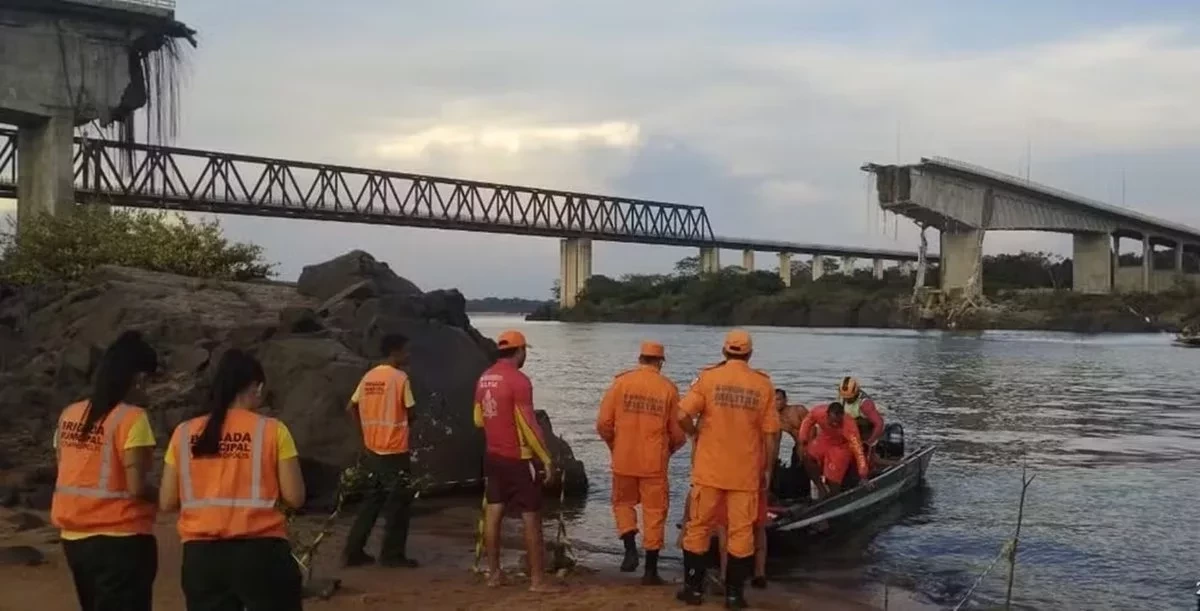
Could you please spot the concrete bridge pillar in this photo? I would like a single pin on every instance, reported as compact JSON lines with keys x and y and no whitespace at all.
{"x":710,"y":260}
{"x":748,"y":260}
{"x":575,"y":269}
{"x":877,"y":269}
{"x":1147,"y":262}
{"x":46,"y":172}
{"x":818,"y":267}
{"x":848,"y":266}
{"x":1179,"y":258}
{"x":785,"y":268}
{"x":1091,"y":263}
{"x":962,"y":261}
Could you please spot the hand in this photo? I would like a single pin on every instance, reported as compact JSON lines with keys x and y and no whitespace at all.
{"x":549,"y":476}
{"x":869,"y":484}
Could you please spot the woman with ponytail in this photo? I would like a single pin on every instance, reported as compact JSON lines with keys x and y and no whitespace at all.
{"x":227,"y":472}
{"x":103,"y":501}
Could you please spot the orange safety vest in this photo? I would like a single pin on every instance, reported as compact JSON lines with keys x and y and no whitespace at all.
{"x":90,"y":493}
{"x":382,"y":411}
{"x":231,"y":495}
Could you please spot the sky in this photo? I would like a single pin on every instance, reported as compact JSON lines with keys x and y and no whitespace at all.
{"x":760,"y":110}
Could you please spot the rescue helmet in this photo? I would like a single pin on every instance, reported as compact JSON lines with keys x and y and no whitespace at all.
{"x":848,"y":388}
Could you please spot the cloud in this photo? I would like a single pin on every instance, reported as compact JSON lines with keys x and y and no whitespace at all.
{"x":761,"y":111}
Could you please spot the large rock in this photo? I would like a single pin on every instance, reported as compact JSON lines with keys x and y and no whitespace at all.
{"x":324,"y":280}
{"x":315,"y":341}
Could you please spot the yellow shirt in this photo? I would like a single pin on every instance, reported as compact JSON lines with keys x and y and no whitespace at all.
{"x":285,"y":446}
{"x":140,"y":436}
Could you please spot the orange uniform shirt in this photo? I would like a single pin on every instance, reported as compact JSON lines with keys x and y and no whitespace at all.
{"x":384,"y":397}
{"x":234,"y":494}
{"x":736,"y":405}
{"x":818,"y":419}
{"x":91,"y":496}
{"x":504,"y":410}
{"x":639,"y":422}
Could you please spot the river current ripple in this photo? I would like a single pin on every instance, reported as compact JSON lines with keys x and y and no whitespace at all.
{"x":1110,"y":425}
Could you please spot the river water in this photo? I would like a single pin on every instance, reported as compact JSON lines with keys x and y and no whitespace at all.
{"x":1109,"y":424}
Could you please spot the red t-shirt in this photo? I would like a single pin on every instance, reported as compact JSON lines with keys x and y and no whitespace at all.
{"x":504,"y":410}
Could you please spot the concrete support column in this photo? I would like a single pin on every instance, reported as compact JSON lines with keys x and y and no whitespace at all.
{"x":1147,"y":262}
{"x":575,"y":269}
{"x":710,"y":260}
{"x":962,"y":261}
{"x":46,"y":172}
{"x":1091,"y":263}
{"x":785,"y":268}
{"x":877,"y":269}
{"x":848,"y":266}
{"x":1179,"y":258}
{"x":818,"y":267}
{"x":748,"y":260}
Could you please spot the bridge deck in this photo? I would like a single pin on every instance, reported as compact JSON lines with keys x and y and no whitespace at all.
{"x":171,"y":178}
{"x":1124,"y":218}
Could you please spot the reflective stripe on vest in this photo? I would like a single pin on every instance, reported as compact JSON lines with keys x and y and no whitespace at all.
{"x":390,"y":418}
{"x":100,"y":490}
{"x":187,"y":498}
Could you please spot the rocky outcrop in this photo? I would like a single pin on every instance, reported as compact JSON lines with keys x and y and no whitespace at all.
{"x":315,"y":341}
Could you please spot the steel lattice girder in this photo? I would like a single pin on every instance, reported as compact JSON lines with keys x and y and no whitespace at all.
{"x":147,"y":176}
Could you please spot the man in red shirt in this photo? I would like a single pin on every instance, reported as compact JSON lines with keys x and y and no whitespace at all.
{"x":504,"y":410}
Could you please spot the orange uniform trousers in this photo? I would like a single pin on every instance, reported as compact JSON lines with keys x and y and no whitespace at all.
{"x":652,"y":494}
{"x":741,"y":510}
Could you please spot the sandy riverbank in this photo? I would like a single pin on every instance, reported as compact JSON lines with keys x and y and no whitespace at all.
{"x":442,"y":542}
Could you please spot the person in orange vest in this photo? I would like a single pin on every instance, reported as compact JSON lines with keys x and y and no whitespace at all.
{"x":504,"y":410}
{"x":382,"y":405}
{"x":738,"y":425}
{"x":638,"y":422}
{"x":828,"y":442}
{"x":103,"y":499}
{"x":226,"y":473}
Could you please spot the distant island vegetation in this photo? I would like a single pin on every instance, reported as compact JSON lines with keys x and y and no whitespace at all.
{"x":1028,"y":290}
{"x":505,"y":305}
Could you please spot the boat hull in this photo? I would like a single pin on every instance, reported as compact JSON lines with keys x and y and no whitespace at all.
{"x":862,"y":500}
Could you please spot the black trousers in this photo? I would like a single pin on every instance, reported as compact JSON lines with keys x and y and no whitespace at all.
{"x":391,"y":494}
{"x":113,"y":573}
{"x":241,"y":575}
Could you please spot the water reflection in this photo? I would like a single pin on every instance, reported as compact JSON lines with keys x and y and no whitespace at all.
{"x":1110,"y":423}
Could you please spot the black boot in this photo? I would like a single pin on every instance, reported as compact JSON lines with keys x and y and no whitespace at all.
{"x":692,"y":592}
{"x":650,"y":577}
{"x":735,"y":581}
{"x":630,"y":563}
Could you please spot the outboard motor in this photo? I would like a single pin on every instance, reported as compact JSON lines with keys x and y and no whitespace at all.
{"x":892,"y":444}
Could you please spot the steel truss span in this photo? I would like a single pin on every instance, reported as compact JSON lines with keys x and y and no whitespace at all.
{"x":148,"y":176}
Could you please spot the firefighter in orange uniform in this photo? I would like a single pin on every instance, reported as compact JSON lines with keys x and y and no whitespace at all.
{"x":103,"y":501}
{"x":226,"y":472}
{"x":738,"y":432}
{"x":638,"y":422}
{"x":382,"y":405}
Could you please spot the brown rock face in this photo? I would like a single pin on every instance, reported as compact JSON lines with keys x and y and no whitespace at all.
{"x":315,"y":341}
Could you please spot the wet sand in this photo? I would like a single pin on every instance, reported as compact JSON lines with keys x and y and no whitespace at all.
{"x":443,"y":542}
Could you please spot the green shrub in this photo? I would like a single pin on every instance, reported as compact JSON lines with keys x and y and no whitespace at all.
{"x":66,"y":247}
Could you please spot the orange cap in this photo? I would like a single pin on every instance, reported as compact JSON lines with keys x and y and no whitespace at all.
{"x":511,"y":339}
{"x":737,"y":342}
{"x":653,"y":350}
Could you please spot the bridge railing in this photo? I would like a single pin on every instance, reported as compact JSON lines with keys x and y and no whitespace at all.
{"x":140,"y":175}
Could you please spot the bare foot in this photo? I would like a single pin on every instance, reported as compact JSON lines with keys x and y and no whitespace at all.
{"x":546,"y":588}
{"x":495,"y":579}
